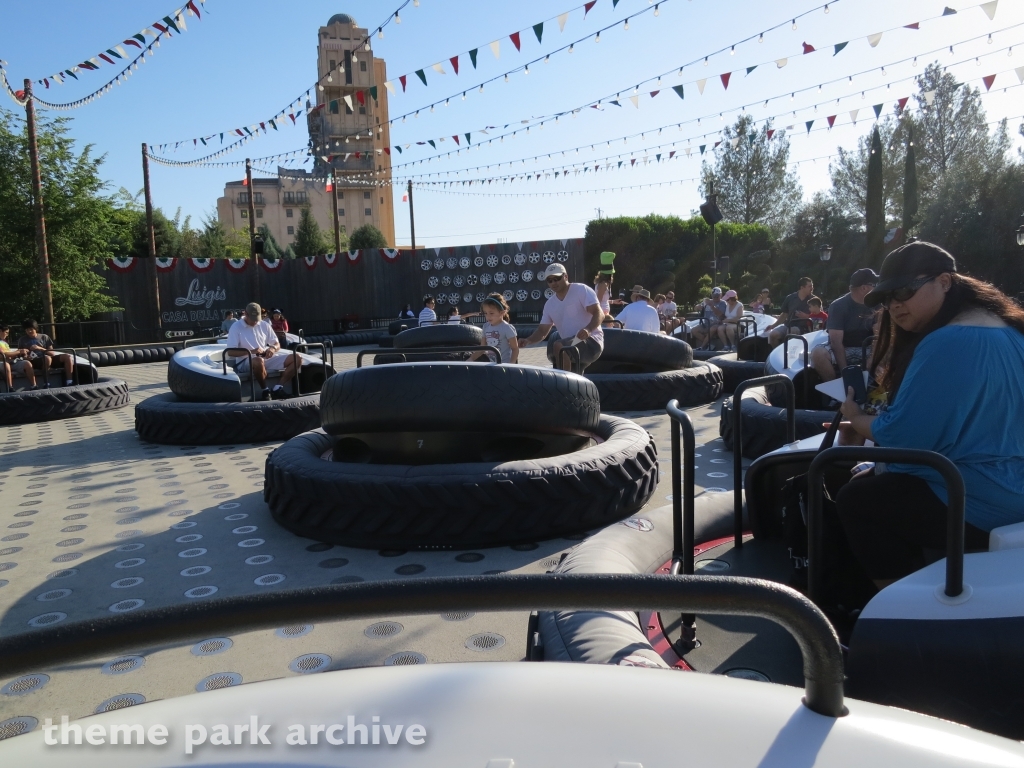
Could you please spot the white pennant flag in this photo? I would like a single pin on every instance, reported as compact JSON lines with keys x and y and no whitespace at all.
{"x":929,"y":97}
{"x":438,"y":68}
{"x":735,"y":143}
{"x":437,"y":251}
{"x":1020,"y":73}
{"x":179,"y":19}
{"x":874,"y":40}
{"x":853,"y":115}
{"x":990,"y":9}
{"x":636,"y":101}
{"x":477,"y":248}
{"x":348,"y":100}
{"x":390,"y":86}
{"x":496,"y":49}
{"x":700,"y":85}
{"x":520,"y":246}
{"x":565,"y":16}
{"x":688,"y":151}
{"x":780,"y":63}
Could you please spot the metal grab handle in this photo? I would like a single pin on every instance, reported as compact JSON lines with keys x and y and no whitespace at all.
{"x":854,"y":453}
{"x":742,"y":325}
{"x":197,"y":342}
{"x":74,"y":360}
{"x":252,"y":377}
{"x":718,"y":595}
{"x":682,"y":488}
{"x":305,"y":347}
{"x":737,"y":439}
{"x":807,"y":362}
{"x":573,"y":352}
{"x":427,"y":351}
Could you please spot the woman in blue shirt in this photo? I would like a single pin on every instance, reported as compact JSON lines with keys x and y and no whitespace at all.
{"x":955,"y":384}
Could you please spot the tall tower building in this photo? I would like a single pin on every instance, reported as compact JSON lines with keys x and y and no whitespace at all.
{"x":348,"y":131}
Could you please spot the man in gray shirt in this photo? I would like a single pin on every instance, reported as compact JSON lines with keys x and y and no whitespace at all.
{"x":849,"y":323}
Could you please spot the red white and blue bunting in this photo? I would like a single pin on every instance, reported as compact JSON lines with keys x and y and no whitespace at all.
{"x":238,"y":265}
{"x":390,"y":254}
{"x":331,"y":259}
{"x":164,"y":264}
{"x":122,"y":263}
{"x":201,"y":265}
{"x":310,"y":261}
{"x":354,"y":256}
{"x":271,"y":265}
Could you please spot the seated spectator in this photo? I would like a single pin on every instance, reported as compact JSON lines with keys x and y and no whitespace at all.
{"x":42,"y":354}
{"x":848,"y":324}
{"x":407,"y":313}
{"x":253,"y":334}
{"x":965,"y":407}
{"x":640,"y":314}
{"x":12,"y":360}
{"x":669,"y":312}
{"x":794,"y":307}
{"x":427,"y":315}
{"x":761,"y":302}
{"x":454,"y":318}
{"x":280,"y":326}
{"x":818,"y":316}
{"x":728,"y":329}
{"x":229,"y":320}
{"x":714,"y":310}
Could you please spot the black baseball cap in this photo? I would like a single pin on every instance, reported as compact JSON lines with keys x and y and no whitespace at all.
{"x":903,"y":266}
{"x":864,"y":276}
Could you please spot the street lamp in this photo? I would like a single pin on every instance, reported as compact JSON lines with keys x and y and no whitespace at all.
{"x":825,"y":254}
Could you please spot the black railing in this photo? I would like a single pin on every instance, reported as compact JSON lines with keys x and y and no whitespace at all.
{"x":86,"y":333}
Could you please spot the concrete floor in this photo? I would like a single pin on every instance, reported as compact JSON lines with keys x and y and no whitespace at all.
{"x":93,"y":522}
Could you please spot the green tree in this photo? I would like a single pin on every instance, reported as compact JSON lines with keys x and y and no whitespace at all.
{"x":271,"y":250}
{"x":212,"y":240}
{"x":309,"y":239}
{"x":367,"y":236}
{"x":874,"y":216}
{"x":849,"y":172}
{"x":750,"y":176}
{"x":83,"y":225}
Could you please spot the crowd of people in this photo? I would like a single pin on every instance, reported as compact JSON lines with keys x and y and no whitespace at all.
{"x":33,"y":354}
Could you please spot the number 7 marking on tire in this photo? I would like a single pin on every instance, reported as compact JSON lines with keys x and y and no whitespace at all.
{"x":419,"y":443}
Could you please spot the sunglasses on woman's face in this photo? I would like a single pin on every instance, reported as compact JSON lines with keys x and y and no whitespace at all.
{"x":906,"y":293}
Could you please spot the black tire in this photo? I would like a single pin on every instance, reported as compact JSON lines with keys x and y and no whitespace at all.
{"x":153,"y":353}
{"x":402,"y":325}
{"x":754,"y":348}
{"x":28,"y":407}
{"x":357,"y":338}
{"x":764,"y":424}
{"x":697,"y":385}
{"x":167,"y":420}
{"x":735,"y":372}
{"x":461,"y":335}
{"x":193,"y":386}
{"x":460,"y":506}
{"x":413,"y":397}
{"x":642,"y":352}
{"x":707,"y":354}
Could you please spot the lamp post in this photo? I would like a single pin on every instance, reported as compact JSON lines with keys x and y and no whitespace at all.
{"x":825,"y":254}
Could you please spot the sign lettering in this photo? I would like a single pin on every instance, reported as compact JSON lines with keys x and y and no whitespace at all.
{"x":198,"y":297}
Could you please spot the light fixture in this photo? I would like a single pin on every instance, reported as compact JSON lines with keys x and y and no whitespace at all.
{"x":657,"y":10}
{"x":825,"y":252}
{"x":463,"y":95}
{"x":380,"y":33}
{"x":506,"y":77}
{"x":1020,"y":232}
{"x":705,"y":61}
{"x":761,"y":38}
{"x":625,"y":26}
{"x":570,"y":49}
{"x":597,"y":38}
{"x":398,"y":19}
{"x":826,"y":7}
{"x":526,"y":69}
{"x":794,"y":23}
{"x":990,"y":39}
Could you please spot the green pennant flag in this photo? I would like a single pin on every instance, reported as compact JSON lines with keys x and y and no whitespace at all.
{"x":878,"y":110}
{"x":421,"y":76}
{"x":272,"y":125}
{"x":750,"y":139}
{"x":538,"y":30}
{"x":614,"y":3}
{"x":247,"y":130}
{"x":222,"y":138}
{"x":751,"y":69}
{"x":114,"y":53}
{"x":467,"y":139}
{"x":679,"y":90}
{"x":948,"y":11}
{"x":839,"y":47}
{"x":398,"y":147}
{"x":204,"y":141}
{"x":620,"y":163}
{"x":809,"y":123}
{"x":615,"y":103}
{"x":702,"y":147}
{"x":658,"y":156}
{"x":373,"y":92}
{"x":171,"y":24}
{"x":472,"y":57}
{"x":333,"y":105}
{"x":431,"y":143}
{"x":140,"y":37}
{"x":71,"y":73}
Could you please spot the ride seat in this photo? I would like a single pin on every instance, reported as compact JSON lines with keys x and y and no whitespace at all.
{"x":1006,"y":537}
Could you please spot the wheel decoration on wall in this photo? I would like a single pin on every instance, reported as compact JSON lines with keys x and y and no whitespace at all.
{"x":540,"y":276}
{"x":467,"y":297}
{"x":471,"y":280}
{"x":480,"y":297}
{"x":464,"y":262}
{"x":549,"y":257}
{"x":432,"y":281}
{"x":513,"y":277}
{"x":442,"y":298}
{"x":478,"y":261}
{"x":535,"y":294}
{"x":446,"y":281}
{"x":453,"y":298}
{"x":452,"y":263}
{"x":506,"y":259}
{"x":485,"y":279}
{"x":508,"y":295}
{"x":563,"y":256}
{"x":520,"y":259}
{"x":458,"y":281}
{"x":426,"y":264}
{"x":499,"y":278}
{"x":548,"y":293}
{"x":522,"y":295}
{"x":527,"y":275}
{"x":492,"y":260}
{"x":534,"y":258}
{"x":438,"y":263}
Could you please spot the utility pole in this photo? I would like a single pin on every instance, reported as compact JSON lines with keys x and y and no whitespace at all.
{"x":37,"y":192}
{"x":599,"y":217}
{"x":151,"y":234}
{"x":412,"y":219}
{"x":337,"y":223}
{"x":252,"y":232}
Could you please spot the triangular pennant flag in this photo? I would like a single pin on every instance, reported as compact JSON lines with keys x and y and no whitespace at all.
{"x":561,"y":22}
{"x":1020,"y":73}
{"x":438,"y":68}
{"x":632,"y":161}
{"x":496,"y":49}
{"x":875,"y":39}
{"x":902,"y":103}
{"x":688,"y":151}
{"x":373,"y":92}
{"x":831,"y":120}
{"x":700,"y":85}
{"x":948,"y":11}
{"x":809,"y":123}
{"x":613,"y":101}
{"x":361,"y":98}
{"x":780,"y":63}
{"x":472,"y":57}
{"x":636,"y":101}
{"x":456,"y":139}
{"x":679,"y":90}
{"x":514,"y":37}
{"x":717,"y":143}
{"x":421,"y":76}
{"x":735,"y":142}
{"x":431,"y":143}
{"x":751,"y":69}
{"x":401,"y":79}
{"x":725,"y":80}
{"x":929,"y":97}
{"x":878,"y":110}
{"x":808,"y":48}
{"x":538,"y":30}
{"x":839,"y":47}
{"x":990,"y":9}
{"x":654,"y":93}
{"x":477,"y":248}
{"x":853,"y":115}
{"x":670,"y":154}
{"x":467,"y":139}
{"x":702,"y":148}
{"x":915,"y":25}
{"x":769,"y":133}
{"x":455,"y":63}
{"x":348,"y":101}
{"x":587,"y":6}
{"x":988,"y":81}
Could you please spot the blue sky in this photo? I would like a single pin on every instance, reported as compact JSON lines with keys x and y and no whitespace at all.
{"x":245,"y":61}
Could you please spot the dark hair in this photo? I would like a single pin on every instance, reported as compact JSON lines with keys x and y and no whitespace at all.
{"x":427,"y":299}
{"x":453,"y":311}
{"x":814,"y":300}
{"x":601,"y":277}
{"x":499,"y":300}
{"x":804,"y":281}
{"x":964,"y":293}
{"x":4,"y":327}
{"x":29,"y":323}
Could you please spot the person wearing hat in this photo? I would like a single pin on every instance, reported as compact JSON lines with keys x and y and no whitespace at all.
{"x":640,"y":314}
{"x":574,"y":312}
{"x":603,"y":287}
{"x":954,"y":348}
{"x":279,"y":323}
{"x":714,"y":310}
{"x":794,"y":307}
{"x":848,"y":324}
{"x":728,"y":329}
{"x":258,"y":337}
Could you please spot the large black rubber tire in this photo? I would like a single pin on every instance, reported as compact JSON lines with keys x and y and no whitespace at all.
{"x":167,"y":420}
{"x":460,"y":506}
{"x":27,"y":407}
{"x":764,"y":424}
{"x":755,"y":348}
{"x":402,"y":325}
{"x":640,"y":352}
{"x":353,"y":339}
{"x":697,"y":385}
{"x":152,"y":353}
{"x":413,"y":397}
{"x":707,"y":354}
{"x":735,"y":372}
{"x":461,"y":335}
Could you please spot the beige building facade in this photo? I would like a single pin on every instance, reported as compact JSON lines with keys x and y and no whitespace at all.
{"x":348,"y":131}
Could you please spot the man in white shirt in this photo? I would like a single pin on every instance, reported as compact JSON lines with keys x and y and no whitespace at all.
{"x":640,"y":314}
{"x":427,"y":315}
{"x":259,"y":338}
{"x":574,"y":311}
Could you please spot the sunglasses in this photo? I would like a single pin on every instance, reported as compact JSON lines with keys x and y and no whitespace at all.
{"x":555,"y":279}
{"x":906,"y":293}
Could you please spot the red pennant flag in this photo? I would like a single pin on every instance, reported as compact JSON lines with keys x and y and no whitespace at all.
{"x":292,"y":116}
{"x":263,"y":126}
{"x":671,"y":154}
{"x":358,"y":155}
{"x":915,"y":25}
{"x":133,"y":42}
{"x":717,"y":143}
{"x":239,"y":131}
{"x":587,"y":7}
{"x":192,"y":6}
{"x":20,"y":94}
{"x":654,"y":93}
{"x":771,"y":132}
{"x":831,"y":120}
{"x":245,"y":182}
{"x":808,"y":49}
{"x":632,"y":161}
{"x":361,"y":98}
{"x":161,"y":27}
{"x":514,"y":37}
{"x":46,"y":83}
{"x":903,"y":102}
{"x":106,"y":58}
{"x":988,"y":81}
{"x":456,"y":138}
{"x":401,"y":79}
{"x":387,"y":150}
{"x":455,"y":63}
{"x":725,"y":80}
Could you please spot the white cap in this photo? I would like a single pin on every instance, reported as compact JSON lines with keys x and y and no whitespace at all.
{"x":554,"y":269}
